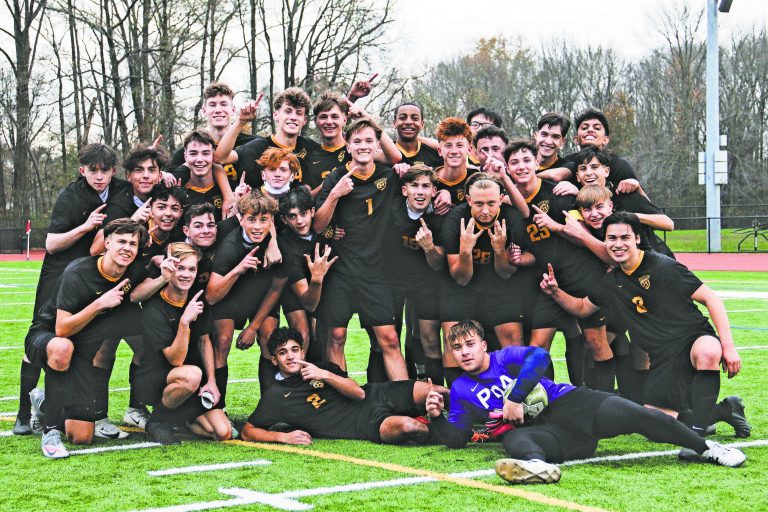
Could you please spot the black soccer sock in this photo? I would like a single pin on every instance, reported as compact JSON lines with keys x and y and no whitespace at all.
{"x":419,"y":359}
{"x":161,"y":414}
{"x":410,"y":363}
{"x":222,"y":376}
{"x":57,"y":389}
{"x":101,"y":406}
{"x":135,"y":383}
{"x":574,"y":359}
{"x":704,"y":391}
{"x":451,"y":374}
{"x":434,"y":370}
{"x":30,"y":374}
{"x":315,"y":350}
{"x":376,"y":372}
{"x":628,"y":379}
{"x":605,"y":374}
{"x":549,"y":373}
{"x":267,"y":372}
{"x":618,"y":416}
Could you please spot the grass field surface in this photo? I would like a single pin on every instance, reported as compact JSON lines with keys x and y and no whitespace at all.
{"x":695,"y":240}
{"x":353,"y":475}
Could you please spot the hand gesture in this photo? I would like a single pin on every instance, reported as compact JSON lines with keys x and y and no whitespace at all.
{"x":355,"y":111}
{"x":212,"y":389}
{"x":320,"y":266}
{"x":296,"y":437}
{"x":565,"y":188}
{"x":548,"y":284}
{"x":573,"y":227}
{"x":247,"y":337}
{"x":424,"y":237}
{"x":498,"y":236}
{"x":442,"y":202}
{"x":141,"y":215}
{"x":467,"y":236}
{"x":95,"y":219}
{"x":514,"y":254}
{"x":361,"y":88}
{"x":731,"y":361}
{"x":168,"y":266}
{"x":627,"y":186}
{"x":344,"y":186}
{"x":513,"y":412}
{"x":249,"y":262}
{"x":248,"y":112}
{"x":495,"y":167}
{"x":243,"y":189}
{"x":338,"y":233}
{"x":193,"y":309}
{"x":156,"y":143}
{"x":272,"y":256}
{"x":113,"y":297}
{"x":434,"y":402}
{"x":401,"y":168}
{"x":311,"y":372}
{"x":544,"y":221}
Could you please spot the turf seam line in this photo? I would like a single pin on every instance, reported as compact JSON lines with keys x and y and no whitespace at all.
{"x":100,"y":449}
{"x":209,"y":467}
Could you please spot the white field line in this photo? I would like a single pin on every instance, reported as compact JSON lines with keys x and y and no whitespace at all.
{"x":4,"y":398}
{"x":16,"y":293}
{"x":10,"y":348}
{"x":17,"y":304}
{"x":14,"y":270}
{"x":746,"y":310}
{"x":738,"y":294}
{"x":287,"y":500}
{"x":6,"y":433}
{"x":101,"y":449}
{"x":209,"y":467}
{"x":16,"y":321}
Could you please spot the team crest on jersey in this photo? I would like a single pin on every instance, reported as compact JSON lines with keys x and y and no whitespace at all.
{"x":317,"y":384}
{"x":127,"y":287}
{"x":544,"y":206}
{"x":460,"y":195}
{"x":381,"y":183}
{"x":328,"y":233}
{"x":341,"y":156}
{"x":302,"y":154}
{"x":217,"y":202}
{"x":645,"y":281}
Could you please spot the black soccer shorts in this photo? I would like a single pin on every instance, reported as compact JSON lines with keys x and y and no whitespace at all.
{"x":368,"y":296}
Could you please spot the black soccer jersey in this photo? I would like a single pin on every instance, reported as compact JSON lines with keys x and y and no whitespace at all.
{"x":455,"y":187}
{"x":321,"y":162}
{"x":559,"y":162}
{"x":655,"y":301}
{"x":405,"y":260}
{"x":424,"y":155}
{"x":484,"y":274}
{"x":312,"y":406}
{"x":161,"y":317}
{"x":233,"y":171}
{"x":122,"y":205}
{"x":210,"y":194}
{"x":576,"y":268}
{"x":620,"y":170}
{"x":156,"y":246}
{"x":295,"y":248}
{"x":364,"y":214}
{"x":252,"y":151}
{"x":635,"y":202}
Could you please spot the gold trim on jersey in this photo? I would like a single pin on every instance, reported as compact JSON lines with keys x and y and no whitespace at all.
{"x":363,"y":177}
{"x":629,"y":272}
{"x":332,"y":149}
{"x":100,"y":268}
{"x":474,"y":160}
{"x":166,"y":298}
{"x":450,"y":183}
{"x":575,"y":214}
{"x":543,"y":168}
{"x":530,"y":197}
{"x":405,"y":152}
{"x":281,"y":146}
{"x":490,"y":225}
{"x":199,"y":190}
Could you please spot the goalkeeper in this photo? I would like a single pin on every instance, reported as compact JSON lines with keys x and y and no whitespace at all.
{"x":569,"y":427}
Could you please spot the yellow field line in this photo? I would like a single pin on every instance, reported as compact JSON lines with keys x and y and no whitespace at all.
{"x":465,"y":482}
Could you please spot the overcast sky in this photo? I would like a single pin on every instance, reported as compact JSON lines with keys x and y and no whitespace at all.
{"x":426,"y":29}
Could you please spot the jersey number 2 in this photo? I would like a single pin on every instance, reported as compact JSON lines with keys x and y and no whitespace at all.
{"x":537,"y":234}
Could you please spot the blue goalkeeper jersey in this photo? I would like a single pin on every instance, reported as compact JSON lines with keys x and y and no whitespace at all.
{"x":473,"y":397}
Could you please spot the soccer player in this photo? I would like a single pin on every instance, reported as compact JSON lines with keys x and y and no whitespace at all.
{"x":489,"y":143}
{"x":551,"y":130}
{"x":331,"y":111}
{"x":571,"y":425}
{"x":198,"y":157}
{"x":579,"y":266}
{"x":241,"y":290}
{"x":165,"y":211}
{"x":476,"y":236}
{"x":358,"y":196}
{"x":455,"y":139}
{"x":656,"y":296}
{"x":322,"y":401}
{"x":477,"y":120}
{"x":177,"y":366}
{"x":77,"y":215}
{"x":89,"y":307}
{"x":408,"y":123}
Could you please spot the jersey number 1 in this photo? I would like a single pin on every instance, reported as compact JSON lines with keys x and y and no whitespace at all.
{"x":369,"y":202}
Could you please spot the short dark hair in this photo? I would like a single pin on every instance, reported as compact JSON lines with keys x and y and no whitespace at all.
{"x":516,"y":145}
{"x":201,"y":136}
{"x":490,"y":114}
{"x":361,"y":124}
{"x":141,"y":153}
{"x":327,"y":101}
{"x":416,"y":171}
{"x":162,"y":192}
{"x":298,"y":197}
{"x":412,"y":104}
{"x":588,"y":153}
{"x":127,"y":226}
{"x":463,"y":329}
{"x":490,"y":132}
{"x":621,"y":217}
{"x":281,"y":336}
{"x":196,"y":210}
{"x":96,"y":154}
{"x":554,"y":119}
{"x":592,"y":113}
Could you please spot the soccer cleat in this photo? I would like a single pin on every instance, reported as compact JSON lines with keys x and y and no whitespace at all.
{"x":493,"y":429}
{"x":52,"y":446}
{"x":36,"y":423}
{"x":136,"y":417}
{"x":37,"y":397}
{"x":716,"y":453}
{"x":516,"y":471}
{"x":22,"y":426}
{"x":106,"y":430}
{"x":733,"y":415}
{"x":161,"y":433}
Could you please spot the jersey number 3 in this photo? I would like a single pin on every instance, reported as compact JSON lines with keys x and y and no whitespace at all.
{"x":639,"y":304}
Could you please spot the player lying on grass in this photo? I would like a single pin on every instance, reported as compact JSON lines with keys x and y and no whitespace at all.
{"x":655,"y":294}
{"x":568,"y":428}
{"x":322,"y":401}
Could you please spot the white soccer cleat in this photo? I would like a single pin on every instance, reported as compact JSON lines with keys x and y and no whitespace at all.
{"x":52,"y":446}
{"x":716,"y":453}
{"x":516,"y":471}
{"x":136,"y":417}
{"x":106,"y":430}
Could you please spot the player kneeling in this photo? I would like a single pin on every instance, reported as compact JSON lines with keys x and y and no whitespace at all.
{"x":322,"y":401}
{"x":177,"y":365}
{"x":570,"y":426}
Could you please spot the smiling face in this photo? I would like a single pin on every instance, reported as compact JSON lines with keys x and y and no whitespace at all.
{"x":201,"y":230}
{"x":549,"y":141}
{"x":470,"y":353}
{"x":143,"y":177}
{"x":97,"y":177}
{"x":286,"y":357}
{"x":490,"y":147}
{"x":278,"y":177}
{"x":289,"y":120}
{"x":122,"y":248}
{"x":256,"y":225}
{"x":454,"y":151}
{"x":184,"y":276}
{"x":595,"y":215}
{"x":300,"y":222}
{"x":591,"y":132}
{"x":419,"y":193}
{"x":362,"y":146}
{"x":218,"y":109}
{"x":408,"y":123}
{"x":331,"y":123}
{"x":199,"y":158}
{"x":622,"y":243}
{"x":522,"y":166}
{"x":592,"y":173}
{"x":165,"y":213}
